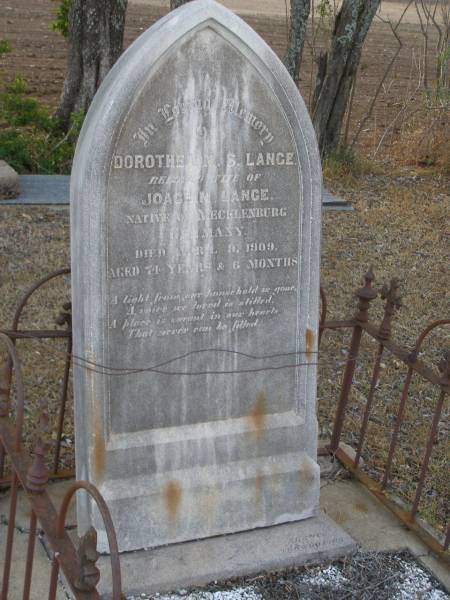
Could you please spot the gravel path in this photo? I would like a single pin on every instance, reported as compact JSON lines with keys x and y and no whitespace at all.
{"x":365,"y":576}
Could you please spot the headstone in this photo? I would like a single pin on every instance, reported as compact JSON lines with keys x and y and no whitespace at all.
{"x":9,"y":182}
{"x":196,"y":203}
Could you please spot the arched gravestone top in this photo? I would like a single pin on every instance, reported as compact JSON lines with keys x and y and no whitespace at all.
{"x":196,"y":201}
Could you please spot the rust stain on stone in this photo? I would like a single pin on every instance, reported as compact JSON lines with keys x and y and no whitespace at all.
{"x":173,"y":496}
{"x":258,"y":414}
{"x":310,"y":339}
{"x":361,"y":507}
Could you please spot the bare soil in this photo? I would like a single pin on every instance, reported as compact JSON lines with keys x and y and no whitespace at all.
{"x":390,"y":9}
{"x":39,"y":54}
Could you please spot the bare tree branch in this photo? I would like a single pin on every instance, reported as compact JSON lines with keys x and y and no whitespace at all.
{"x":386,"y":72}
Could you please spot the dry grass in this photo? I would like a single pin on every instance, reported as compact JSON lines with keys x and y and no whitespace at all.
{"x":424,"y":142}
{"x":398,"y":225}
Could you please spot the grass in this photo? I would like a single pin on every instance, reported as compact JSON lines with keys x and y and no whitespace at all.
{"x":346,"y":165}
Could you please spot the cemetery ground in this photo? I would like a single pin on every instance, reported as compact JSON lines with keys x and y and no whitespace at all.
{"x":398,"y":225}
{"x":401,"y":203}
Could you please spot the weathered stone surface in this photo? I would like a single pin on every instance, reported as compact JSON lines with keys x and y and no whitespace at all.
{"x":224,"y":557}
{"x":9,"y":182}
{"x":196,"y":201}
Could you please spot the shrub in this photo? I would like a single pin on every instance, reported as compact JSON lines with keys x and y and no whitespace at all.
{"x":18,"y":109}
{"x":61,"y":23}
{"x":5,"y":47}
{"x":30,"y":138}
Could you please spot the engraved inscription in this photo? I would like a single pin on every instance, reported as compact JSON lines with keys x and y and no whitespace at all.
{"x":204,"y":195}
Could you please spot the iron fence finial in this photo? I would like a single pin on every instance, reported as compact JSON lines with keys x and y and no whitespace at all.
{"x":365,"y":295}
{"x":87,"y":554}
{"x":65,"y":315}
{"x":390,"y":293}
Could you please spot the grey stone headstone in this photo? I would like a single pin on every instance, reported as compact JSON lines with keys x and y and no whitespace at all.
{"x":9,"y":182}
{"x":196,"y":205}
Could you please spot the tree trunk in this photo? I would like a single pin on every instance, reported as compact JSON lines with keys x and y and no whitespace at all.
{"x":176,"y":3}
{"x":297,"y":32}
{"x":333,"y":90}
{"x":96,"y":30}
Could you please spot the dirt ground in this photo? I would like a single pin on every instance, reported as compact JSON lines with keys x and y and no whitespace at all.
{"x":389,"y":10}
{"x":39,"y":54}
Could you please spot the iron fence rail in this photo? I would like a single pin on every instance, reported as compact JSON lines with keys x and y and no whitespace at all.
{"x":439,"y":378}
{"x":31,"y":474}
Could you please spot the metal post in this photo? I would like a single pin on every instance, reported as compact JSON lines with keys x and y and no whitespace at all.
{"x":365,"y":294}
{"x":393,"y":303}
{"x":445,"y":370}
{"x":30,"y":557}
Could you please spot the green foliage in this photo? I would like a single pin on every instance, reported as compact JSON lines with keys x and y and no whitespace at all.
{"x":18,"y":109}
{"x":324,"y":9}
{"x":61,"y":23}
{"x":30,"y":138}
{"x":5,"y":47}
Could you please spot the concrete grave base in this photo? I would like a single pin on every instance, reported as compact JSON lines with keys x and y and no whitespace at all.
{"x":197,"y":563}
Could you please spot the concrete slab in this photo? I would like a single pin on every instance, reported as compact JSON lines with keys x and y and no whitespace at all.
{"x":23,"y":512}
{"x":373,"y":526}
{"x":346,"y":502}
{"x":55,"y":190}
{"x":41,"y":567}
{"x":245,"y":553}
{"x":332,"y":202}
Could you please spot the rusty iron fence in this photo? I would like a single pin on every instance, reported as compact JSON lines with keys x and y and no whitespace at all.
{"x":439,"y":378}
{"x":64,"y":320}
{"x":32,"y":474}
